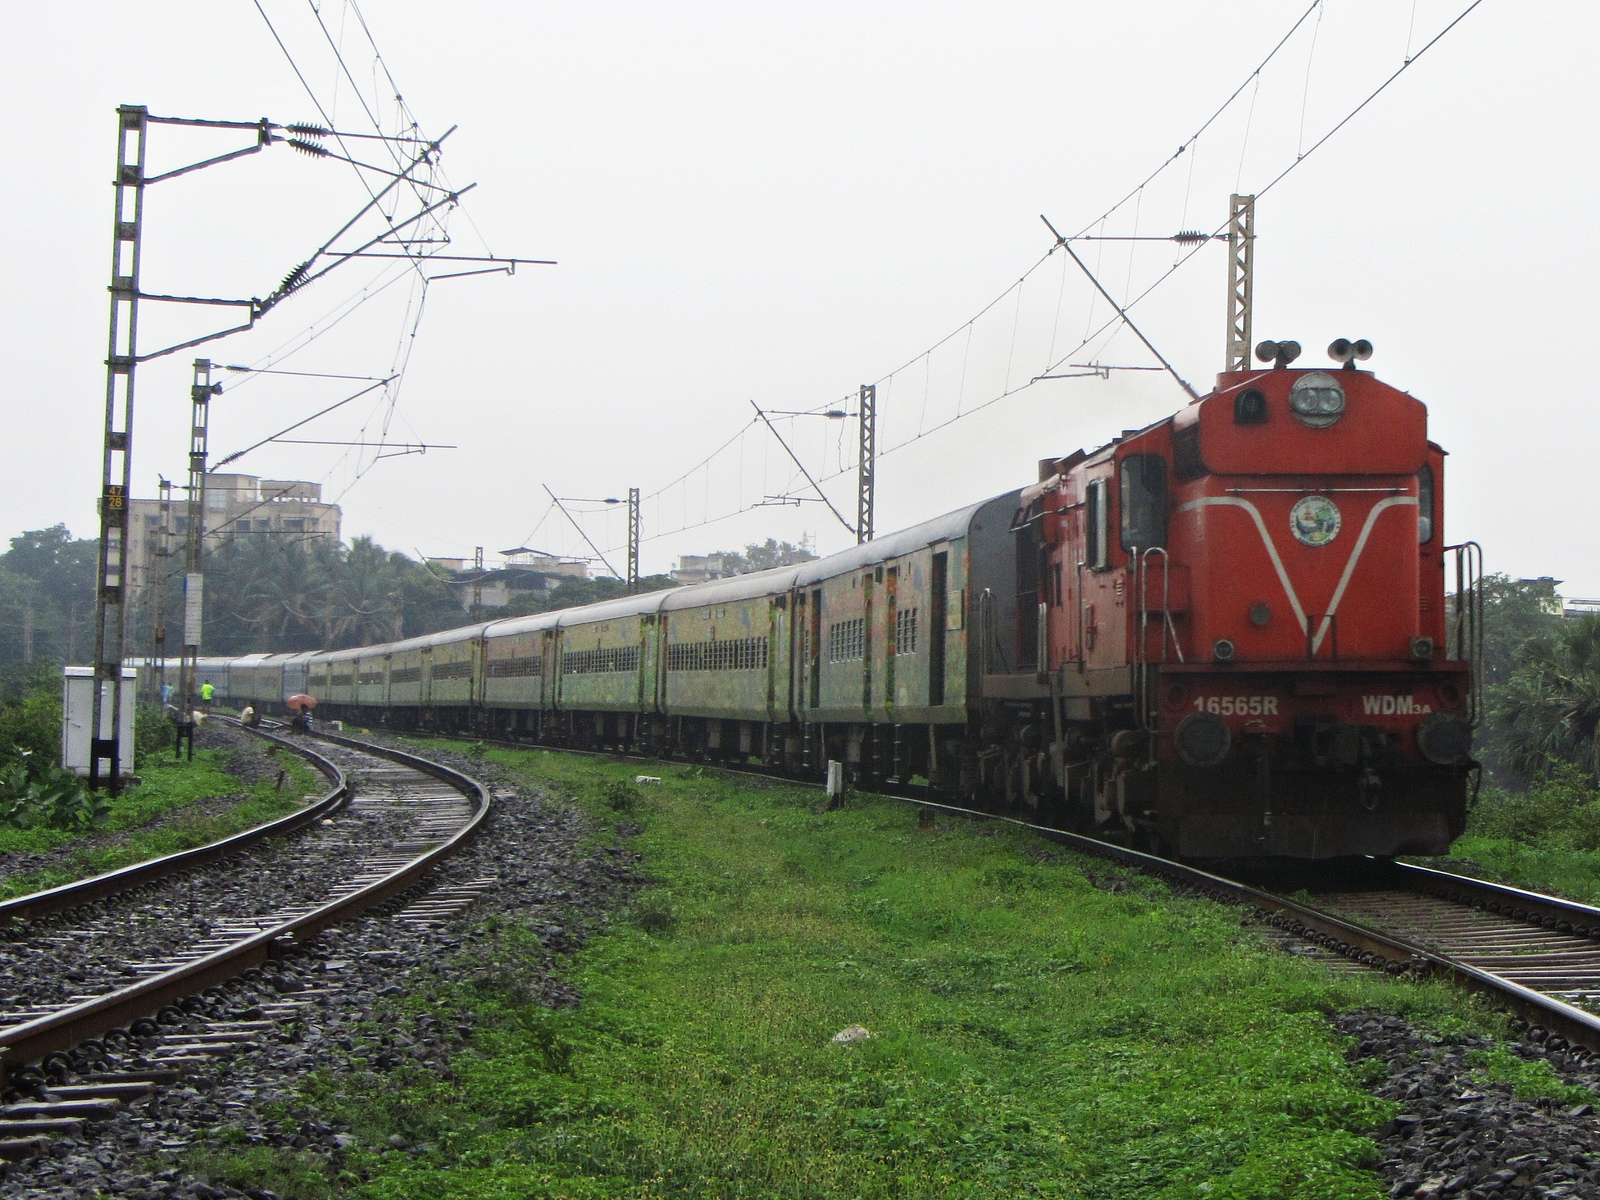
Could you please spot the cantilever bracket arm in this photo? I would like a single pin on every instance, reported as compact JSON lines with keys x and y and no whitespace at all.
{"x":823,"y":496}
{"x":1064,"y":243}
{"x":204,"y":338}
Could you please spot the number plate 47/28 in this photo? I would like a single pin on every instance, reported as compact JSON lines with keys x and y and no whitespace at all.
{"x":1238,"y":706}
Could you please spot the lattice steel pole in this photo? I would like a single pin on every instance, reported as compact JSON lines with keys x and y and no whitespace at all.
{"x":477,"y":584}
{"x":200,"y":392}
{"x":633,"y":540}
{"x":868,"y":403}
{"x":1241,"y":272}
{"x":122,"y":355}
{"x":161,"y":553}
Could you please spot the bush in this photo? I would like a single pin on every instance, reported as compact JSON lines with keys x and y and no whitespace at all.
{"x":1563,"y":809}
{"x":154,"y":735}
{"x":30,"y":728}
{"x":619,"y":795}
{"x":50,"y":797}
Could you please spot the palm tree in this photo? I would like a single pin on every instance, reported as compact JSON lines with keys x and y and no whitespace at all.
{"x":1550,"y":707}
{"x":363,"y":597}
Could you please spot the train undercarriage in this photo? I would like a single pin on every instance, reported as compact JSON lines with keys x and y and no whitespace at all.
{"x":1277,"y":796}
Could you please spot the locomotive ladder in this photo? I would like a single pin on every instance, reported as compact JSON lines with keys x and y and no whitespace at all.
{"x":1143,"y":686}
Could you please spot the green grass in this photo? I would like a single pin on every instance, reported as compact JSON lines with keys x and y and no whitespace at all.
{"x":1034,"y":1034}
{"x":1533,"y":1079}
{"x":165,"y":787}
{"x":1545,"y":838}
{"x":1561,"y":870}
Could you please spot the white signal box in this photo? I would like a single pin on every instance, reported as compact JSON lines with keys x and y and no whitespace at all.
{"x":77,"y":711}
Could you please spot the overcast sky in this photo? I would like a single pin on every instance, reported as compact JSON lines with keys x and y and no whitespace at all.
{"x":778,"y":203}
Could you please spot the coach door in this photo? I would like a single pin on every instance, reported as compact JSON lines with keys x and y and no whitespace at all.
{"x":938,"y":602}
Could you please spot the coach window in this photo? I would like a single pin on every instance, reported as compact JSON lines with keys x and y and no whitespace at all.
{"x":1096,"y":527}
{"x":1144,"y":502}
{"x":1425,"y":504}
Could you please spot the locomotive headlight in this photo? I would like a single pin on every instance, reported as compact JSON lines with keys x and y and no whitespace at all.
{"x":1317,"y":399}
{"x":1445,"y":739}
{"x":1202,"y":739}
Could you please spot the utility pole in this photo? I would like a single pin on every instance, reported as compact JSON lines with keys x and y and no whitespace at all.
{"x":633,"y":540}
{"x":159,"y":575}
{"x":106,"y":759}
{"x":116,"y":460}
{"x":194,"y":580}
{"x":1241,"y":273}
{"x":868,"y":402}
{"x":477,"y":585}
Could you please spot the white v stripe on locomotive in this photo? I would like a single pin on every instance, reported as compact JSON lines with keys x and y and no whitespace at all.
{"x":1266,"y":538}
{"x":1350,"y":566}
{"x":1277,"y":559}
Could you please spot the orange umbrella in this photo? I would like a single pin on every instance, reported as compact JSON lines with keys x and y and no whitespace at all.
{"x":300,"y":701}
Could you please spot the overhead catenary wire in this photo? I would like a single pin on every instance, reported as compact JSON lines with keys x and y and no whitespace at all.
{"x":409,"y":241}
{"x":802,"y":468}
{"x":1185,"y":255}
{"x":967,"y":326}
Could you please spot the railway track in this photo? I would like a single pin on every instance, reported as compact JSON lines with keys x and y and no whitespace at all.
{"x":225,"y":976}
{"x":1538,"y":954}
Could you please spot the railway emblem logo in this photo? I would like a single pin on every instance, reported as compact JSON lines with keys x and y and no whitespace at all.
{"x":1315,"y":520}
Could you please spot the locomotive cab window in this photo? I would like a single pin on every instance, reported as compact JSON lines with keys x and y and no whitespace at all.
{"x":1425,"y":504}
{"x":1096,"y":527}
{"x":1144,"y":502}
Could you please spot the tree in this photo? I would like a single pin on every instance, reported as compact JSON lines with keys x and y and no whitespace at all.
{"x":1549,"y":709}
{"x":267,"y":593}
{"x":1516,"y":613}
{"x":761,"y":556}
{"x":47,"y":597}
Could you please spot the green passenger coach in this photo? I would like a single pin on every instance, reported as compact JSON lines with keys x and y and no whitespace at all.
{"x":870,"y":656}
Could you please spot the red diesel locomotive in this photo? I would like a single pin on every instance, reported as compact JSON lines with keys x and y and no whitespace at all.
{"x":1243,"y":645}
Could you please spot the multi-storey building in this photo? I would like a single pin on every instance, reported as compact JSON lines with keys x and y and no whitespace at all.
{"x":235,"y":504}
{"x":523,"y":570}
{"x":697,"y":568}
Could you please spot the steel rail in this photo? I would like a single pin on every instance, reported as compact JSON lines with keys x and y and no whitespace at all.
{"x":1366,"y":944}
{"x":1552,"y":912}
{"x":34,"y":1040}
{"x":100,"y":887}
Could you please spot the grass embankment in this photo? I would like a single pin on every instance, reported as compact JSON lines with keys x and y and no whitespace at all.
{"x":166,"y":786}
{"x":1034,"y":1034}
{"x":1545,"y":838}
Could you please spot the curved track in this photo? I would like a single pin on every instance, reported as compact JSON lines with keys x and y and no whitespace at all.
{"x":83,"y":892}
{"x":436,"y":810}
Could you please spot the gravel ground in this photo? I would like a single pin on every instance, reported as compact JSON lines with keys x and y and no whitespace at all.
{"x":1459,"y":1136}
{"x":546,"y":880}
{"x":53,"y":959}
{"x":247,"y":759}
